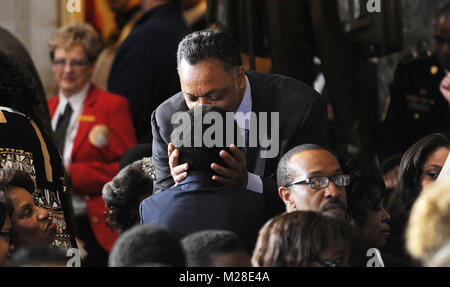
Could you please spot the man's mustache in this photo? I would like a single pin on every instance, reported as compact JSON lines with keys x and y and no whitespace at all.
{"x":330,"y":203}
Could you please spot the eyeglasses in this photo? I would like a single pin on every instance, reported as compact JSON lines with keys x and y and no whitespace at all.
{"x":320,"y":182}
{"x":75,"y":64}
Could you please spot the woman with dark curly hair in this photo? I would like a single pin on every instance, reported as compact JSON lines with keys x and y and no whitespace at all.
{"x":301,"y":239}
{"x":419,"y":168}
{"x":365,"y":200}
{"x":125,"y":192}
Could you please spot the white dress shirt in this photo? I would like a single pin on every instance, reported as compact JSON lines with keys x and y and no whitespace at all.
{"x":254,"y":182}
{"x":76,"y":102}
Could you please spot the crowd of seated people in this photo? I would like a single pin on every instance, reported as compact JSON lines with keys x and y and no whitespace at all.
{"x":208,"y":191}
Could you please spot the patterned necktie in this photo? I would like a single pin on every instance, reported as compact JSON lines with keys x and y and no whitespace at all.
{"x":61,"y":127}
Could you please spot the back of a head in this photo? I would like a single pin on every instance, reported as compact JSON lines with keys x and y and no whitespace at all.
{"x":366,"y":190}
{"x":204,"y":131}
{"x":39,"y":256}
{"x":124,"y":193}
{"x":444,"y":11}
{"x":135,"y":153}
{"x":428,"y":228}
{"x":147,"y":244}
{"x":201,"y":248}
{"x":284,"y":171}
{"x":411,"y":167}
{"x":298,"y":238}
{"x":209,"y":44}
{"x":15,"y":91}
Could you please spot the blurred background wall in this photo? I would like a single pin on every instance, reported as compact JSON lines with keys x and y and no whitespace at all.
{"x":34,"y":21}
{"x":418,"y":30}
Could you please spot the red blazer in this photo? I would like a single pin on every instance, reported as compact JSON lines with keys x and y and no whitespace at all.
{"x":105,"y":132}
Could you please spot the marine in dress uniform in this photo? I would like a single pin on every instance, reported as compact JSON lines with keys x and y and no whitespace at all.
{"x":417,"y":107}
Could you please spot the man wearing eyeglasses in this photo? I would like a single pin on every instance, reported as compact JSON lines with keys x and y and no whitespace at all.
{"x":309,"y":177}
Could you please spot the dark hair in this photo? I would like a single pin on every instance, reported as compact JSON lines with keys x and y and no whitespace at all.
{"x":11,"y":177}
{"x":444,"y":11}
{"x":297,"y":238}
{"x":135,"y":153}
{"x":200,"y":247}
{"x":6,"y":208}
{"x":39,"y":256}
{"x":411,"y":168}
{"x":124,"y":193}
{"x":15,"y":91}
{"x":201,"y":157}
{"x":209,"y":44}
{"x":366,"y":190}
{"x":285,"y":174}
{"x":146,"y":244}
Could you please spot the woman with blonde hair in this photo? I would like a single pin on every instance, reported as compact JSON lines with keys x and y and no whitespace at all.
{"x":93,"y":128}
{"x":428,"y":228}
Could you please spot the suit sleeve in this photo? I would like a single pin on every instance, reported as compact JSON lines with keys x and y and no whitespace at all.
{"x":89,"y":177}
{"x":164,"y":179}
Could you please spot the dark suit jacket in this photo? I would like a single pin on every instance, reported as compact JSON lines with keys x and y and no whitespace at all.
{"x":145,"y":67}
{"x":302,"y":115}
{"x":92,"y":165}
{"x":417,"y":108}
{"x":197,"y":203}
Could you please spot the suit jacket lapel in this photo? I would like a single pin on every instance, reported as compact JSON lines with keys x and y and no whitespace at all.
{"x":85,"y":126}
{"x":260,"y":95}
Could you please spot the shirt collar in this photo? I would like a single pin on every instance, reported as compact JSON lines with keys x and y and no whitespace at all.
{"x":245,"y":107}
{"x":76,"y":100}
{"x":198,"y":176}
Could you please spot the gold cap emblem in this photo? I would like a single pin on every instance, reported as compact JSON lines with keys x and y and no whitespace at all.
{"x":434,"y":70}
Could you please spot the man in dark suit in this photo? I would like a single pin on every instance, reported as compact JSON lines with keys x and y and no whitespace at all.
{"x":210,"y":72}
{"x":199,"y":203}
{"x":144,"y":68}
